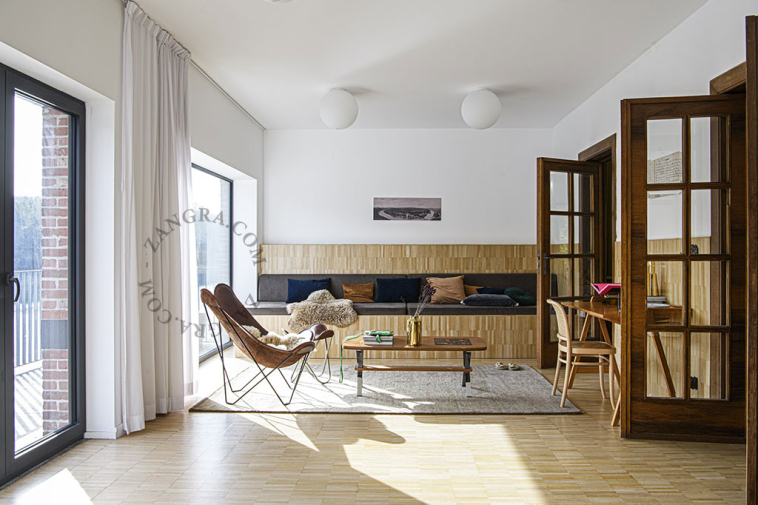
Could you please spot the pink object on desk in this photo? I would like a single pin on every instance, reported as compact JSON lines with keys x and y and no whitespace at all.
{"x":602,"y":289}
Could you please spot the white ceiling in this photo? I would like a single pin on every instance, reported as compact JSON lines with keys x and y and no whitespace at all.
{"x":411,"y":62}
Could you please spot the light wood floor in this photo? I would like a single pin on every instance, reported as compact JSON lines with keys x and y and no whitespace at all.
{"x":203,"y":458}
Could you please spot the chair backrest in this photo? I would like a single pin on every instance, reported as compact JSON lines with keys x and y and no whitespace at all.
{"x":250,"y":346}
{"x":235,"y":308}
{"x":564,"y":334}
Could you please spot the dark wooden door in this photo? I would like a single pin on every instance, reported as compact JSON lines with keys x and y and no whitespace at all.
{"x":684,"y":268}
{"x":752,"y":260}
{"x":568,"y":243}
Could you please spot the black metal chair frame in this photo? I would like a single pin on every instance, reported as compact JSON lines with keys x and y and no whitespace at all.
{"x":301,"y":365}
{"x":326,"y":367}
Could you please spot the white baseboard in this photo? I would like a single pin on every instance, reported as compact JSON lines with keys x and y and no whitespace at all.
{"x":117,"y":432}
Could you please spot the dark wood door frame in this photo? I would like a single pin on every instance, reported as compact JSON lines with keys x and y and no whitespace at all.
{"x":605,"y":152}
{"x":731,"y":81}
{"x":744,"y":79}
{"x":751,"y":78}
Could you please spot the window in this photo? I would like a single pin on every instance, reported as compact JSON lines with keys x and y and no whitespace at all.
{"x":41,"y":208}
{"x":212,"y":195}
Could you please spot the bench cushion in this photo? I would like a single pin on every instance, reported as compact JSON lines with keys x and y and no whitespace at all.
{"x":379,"y":309}
{"x":268,"y":309}
{"x":458,"y":309}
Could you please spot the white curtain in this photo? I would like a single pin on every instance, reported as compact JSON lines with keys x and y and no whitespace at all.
{"x":156,"y":288}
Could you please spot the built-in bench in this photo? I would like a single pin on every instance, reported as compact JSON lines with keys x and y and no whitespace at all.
{"x":509,"y":331}
{"x":272,"y":291}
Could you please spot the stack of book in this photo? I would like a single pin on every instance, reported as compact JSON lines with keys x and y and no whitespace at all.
{"x":657,"y":302}
{"x":378,"y":338}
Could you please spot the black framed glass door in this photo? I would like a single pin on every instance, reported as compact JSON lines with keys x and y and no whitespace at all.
{"x":41,"y":263}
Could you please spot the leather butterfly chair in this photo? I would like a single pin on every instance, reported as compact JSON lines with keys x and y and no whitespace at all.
{"x":236,"y":309}
{"x":263,"y":355}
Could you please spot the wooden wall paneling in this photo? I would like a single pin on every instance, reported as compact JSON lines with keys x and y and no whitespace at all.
{"x":395,"y":258}
{"x":512,"y":337}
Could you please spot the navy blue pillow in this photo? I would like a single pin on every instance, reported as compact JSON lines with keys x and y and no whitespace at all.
{"x":521,"y":297}
{"x":297,"y":291}
{"x":491,"y":291}
{"x":486,"y":300}
{"x":397,"y":290}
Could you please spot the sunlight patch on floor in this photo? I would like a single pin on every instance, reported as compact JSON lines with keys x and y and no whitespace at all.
{"x":62,"y":489}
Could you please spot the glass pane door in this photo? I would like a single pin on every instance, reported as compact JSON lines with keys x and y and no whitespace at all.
{"x":40,"y":266}
{"x":568,"y":243}
{"x":41,"y":171}
{"x":684,"y":277}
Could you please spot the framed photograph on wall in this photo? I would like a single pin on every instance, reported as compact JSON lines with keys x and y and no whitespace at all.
{"x":407,"y":209}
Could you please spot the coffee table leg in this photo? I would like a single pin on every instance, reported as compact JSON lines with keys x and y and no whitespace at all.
{"x":467,"y":375}
{"x":359,"y":382}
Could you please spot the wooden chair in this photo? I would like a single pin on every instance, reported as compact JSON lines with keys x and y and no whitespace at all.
{"x":569,"y":349}
{"x":262,"y":355}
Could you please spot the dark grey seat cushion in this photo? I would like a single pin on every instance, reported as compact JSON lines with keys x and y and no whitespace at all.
{"x":268,"y":309}
{"x":379,"y":309}
{"x":458,"y":309}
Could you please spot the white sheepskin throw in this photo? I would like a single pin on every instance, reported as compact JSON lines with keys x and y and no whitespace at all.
{"x":285,"y":343}
{"x":320,"y":307}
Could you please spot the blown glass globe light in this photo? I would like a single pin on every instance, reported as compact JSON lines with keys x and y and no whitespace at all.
{"x":481,"y":109}
{"x":338,"y":109}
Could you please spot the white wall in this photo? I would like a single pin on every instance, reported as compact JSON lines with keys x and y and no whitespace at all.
{"x":221,"y":130}
{"x":320,"y":184}
{"x":76,"y":45}
{"x":708,"y":43}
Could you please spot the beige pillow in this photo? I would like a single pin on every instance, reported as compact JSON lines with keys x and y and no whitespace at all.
{"x":359,"y":293}
{"x":448,"y":289}
{"x":471,"y":290}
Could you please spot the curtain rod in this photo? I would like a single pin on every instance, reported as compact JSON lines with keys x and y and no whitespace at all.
{"x":218,"y":86}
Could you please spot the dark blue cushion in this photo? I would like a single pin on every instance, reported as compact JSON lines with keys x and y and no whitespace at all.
{"x":486,"y":300}
{"x":521,"y":297}
{"x":491,"y":291}
{"x":297,"y":291}
{"x":397,"y":290}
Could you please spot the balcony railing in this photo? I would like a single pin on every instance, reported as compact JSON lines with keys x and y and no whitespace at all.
{"x":27,"y":313}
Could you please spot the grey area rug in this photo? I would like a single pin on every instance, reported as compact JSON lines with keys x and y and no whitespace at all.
{"x":521,"y":392}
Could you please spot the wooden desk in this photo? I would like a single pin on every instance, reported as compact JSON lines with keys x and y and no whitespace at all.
{"x":610,"y":313}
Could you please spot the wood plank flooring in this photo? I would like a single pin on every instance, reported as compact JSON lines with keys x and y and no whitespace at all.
{"x":205,"y":459}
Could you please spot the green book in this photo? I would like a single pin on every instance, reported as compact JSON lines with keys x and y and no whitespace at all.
{"x":375,"y":333}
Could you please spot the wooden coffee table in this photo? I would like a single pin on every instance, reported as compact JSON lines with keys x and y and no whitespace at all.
{"x":427,"y":344}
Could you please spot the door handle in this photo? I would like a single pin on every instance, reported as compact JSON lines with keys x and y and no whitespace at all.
{"x":10,"y":279}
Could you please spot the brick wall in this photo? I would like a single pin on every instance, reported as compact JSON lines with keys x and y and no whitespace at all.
{"x":54,"y":324}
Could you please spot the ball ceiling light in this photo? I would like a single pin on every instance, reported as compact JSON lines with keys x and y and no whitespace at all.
{"x":338,"y":109}
{"x":481,"y":109}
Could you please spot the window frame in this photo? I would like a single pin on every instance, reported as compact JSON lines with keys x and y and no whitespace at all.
{"x":195,"y":166}
{"x":16,"y":463}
